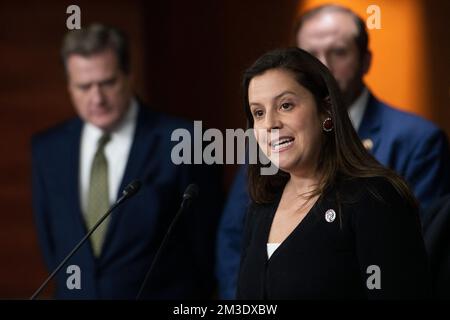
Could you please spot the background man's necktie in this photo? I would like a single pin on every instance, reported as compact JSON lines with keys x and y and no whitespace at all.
{"x":98,"y":197}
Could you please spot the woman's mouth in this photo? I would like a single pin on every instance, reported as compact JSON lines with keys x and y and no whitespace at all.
{"x":281,"y":144}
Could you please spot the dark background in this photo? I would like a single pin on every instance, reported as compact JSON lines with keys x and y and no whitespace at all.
{"x":188,"y":57}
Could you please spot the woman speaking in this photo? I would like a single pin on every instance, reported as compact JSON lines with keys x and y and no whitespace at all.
{"x":332,"y":223}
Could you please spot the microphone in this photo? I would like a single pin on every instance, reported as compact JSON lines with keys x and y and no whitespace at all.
{"x":189,"y":195}
{"x":129,"y":191}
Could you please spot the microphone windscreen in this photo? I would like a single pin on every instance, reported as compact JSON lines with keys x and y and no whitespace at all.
{"x":132,"y":188}
{"x":191,"y":192}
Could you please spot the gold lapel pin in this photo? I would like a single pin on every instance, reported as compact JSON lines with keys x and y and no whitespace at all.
{"x":368,"y":144}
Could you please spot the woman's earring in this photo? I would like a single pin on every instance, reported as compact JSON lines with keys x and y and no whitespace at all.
{"x":327,"y":125}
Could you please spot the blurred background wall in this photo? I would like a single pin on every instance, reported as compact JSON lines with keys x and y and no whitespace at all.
{"x":188,"y":57}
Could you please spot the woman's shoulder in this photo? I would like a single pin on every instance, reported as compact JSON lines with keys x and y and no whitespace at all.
{"x":364,"y":182}
{"x":376,"y":200}
{"x":378,"y":189}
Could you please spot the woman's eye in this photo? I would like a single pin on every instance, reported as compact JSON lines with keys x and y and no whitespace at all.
{"x":258,"y":113}
{"x":286,"y":106}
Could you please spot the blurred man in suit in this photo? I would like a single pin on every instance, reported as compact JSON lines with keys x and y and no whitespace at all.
{"x":410,"y":145}
{"x":81,"y":166}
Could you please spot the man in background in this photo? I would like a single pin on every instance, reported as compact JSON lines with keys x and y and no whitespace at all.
{"x":406,"y":143}
{"x":81,"y":166}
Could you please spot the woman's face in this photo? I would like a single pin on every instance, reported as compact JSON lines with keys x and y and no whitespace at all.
{"x":278,"y":101}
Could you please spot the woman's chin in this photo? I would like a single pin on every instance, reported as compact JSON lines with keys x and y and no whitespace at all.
{"x":286,"y":167}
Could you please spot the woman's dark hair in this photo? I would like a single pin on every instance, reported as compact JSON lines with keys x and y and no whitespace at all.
{"x":341,"y":153}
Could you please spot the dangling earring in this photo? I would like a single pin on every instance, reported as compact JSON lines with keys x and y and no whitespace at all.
{"x":327,"y":125}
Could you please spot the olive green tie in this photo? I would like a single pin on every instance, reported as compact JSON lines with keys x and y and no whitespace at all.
{"x":98,"y":197}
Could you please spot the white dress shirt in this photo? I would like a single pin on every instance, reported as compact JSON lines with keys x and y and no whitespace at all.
{"x":117,"y":151}
{"x":357,"y":108}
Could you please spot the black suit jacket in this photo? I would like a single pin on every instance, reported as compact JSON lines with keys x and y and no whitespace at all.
{"x":322,"y":259}
{"x":136,"y":229}
{"x":436,"y":230}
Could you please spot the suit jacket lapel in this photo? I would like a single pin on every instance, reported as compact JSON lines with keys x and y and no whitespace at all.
{"x":371,"y":125}
{"x":143,"y":142}
{"x":139,"y":165}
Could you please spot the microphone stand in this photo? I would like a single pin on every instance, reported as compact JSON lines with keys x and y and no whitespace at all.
{"x":190,"y":193}
{"x":130,"y":190}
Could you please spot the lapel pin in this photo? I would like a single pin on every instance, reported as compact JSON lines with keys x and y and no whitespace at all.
{"x":368,"y":144}
{"x":330,"y":215}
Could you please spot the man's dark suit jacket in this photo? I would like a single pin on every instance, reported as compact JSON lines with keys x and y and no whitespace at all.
{"x":408,"y":144}
{"x":372,"y":249}
{"x":135,"y":231}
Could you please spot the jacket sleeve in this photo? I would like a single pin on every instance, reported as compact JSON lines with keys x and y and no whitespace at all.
{"x":249,"y":225}
{"x":40,"y":211}
{"x":428,"y":169}
{"x":389,"y":246}
{"x":229,"y":236}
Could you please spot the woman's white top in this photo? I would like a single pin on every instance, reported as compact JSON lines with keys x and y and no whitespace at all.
{"x":271,"y":247}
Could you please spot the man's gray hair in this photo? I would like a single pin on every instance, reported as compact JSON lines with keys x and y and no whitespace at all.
{"x":94,"y":39}
{"x":361,"y":38}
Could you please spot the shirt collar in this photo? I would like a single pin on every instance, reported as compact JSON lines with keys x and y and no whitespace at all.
{"x":357,"y":108}
{"x":125,"y":127}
